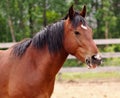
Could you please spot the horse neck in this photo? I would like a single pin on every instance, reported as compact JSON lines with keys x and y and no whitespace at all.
{"x":49,"y":62}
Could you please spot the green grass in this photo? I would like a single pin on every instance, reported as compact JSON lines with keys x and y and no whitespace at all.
{"x":90,"y":75}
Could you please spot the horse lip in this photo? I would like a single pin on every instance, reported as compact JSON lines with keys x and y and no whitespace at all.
{"x":89,"y":63}
{"x":90,"y":66}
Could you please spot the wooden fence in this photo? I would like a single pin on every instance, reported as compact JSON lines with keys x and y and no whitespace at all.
{"x":97,"y":41}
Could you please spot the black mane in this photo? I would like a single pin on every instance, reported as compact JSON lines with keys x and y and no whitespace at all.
{"x":20,"y":48}
{"x":52,"y":36}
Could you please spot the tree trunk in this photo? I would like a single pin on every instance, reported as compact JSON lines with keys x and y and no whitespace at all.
{"x":11,"y":29}
{"x":44,"y":13}
{"x":106,"y":29}
{"x":76,"y":2}
{"x":30,"y":20}
{"x":10,"y":23}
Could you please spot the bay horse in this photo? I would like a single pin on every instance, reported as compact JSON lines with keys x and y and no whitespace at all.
{"x":28,"y":69}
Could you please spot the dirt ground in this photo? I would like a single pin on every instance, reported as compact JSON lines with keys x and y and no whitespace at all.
{"x":87,"y":89}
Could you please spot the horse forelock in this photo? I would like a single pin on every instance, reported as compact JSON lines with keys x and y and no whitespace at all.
{"x":77,"y":19}
{"x":52,"y":36}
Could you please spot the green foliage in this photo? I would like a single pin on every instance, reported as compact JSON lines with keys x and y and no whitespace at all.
{"x":28,"y":17}
{"x":112,"y":48}
{"x":52,"y":16}
{"x":73,"y":63}
{"x":111,"y":62}
{"x":3,"y":29}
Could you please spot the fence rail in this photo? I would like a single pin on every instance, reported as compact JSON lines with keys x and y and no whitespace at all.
{"x":104,"y":55}
{"x":107,"y":41}
{"x":97,"y":41}
{"x":6,"y":45}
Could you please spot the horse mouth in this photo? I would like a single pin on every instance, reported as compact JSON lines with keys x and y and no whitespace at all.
{"x":93,"y":61}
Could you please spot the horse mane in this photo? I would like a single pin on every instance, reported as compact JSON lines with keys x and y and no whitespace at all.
{"x":52,"y":36}
{"x":20,"y":48}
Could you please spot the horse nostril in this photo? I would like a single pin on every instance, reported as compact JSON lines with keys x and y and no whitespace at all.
{"x":96,"y":59}
{"x":93,"y":57}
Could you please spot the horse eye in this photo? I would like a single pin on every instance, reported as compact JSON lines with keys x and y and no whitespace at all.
{"x":77,"y":33}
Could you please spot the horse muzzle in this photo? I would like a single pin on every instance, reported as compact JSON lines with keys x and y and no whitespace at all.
{"x":93,"y":61}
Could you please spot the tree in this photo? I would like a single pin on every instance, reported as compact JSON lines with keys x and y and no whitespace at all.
{"x":20,"y":18}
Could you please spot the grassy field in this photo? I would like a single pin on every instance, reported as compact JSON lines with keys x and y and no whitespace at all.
{"x":88,"y":75}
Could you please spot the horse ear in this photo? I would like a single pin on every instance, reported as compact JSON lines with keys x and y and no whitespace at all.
{"x":83,"y":12}
{"x":71,"y":12}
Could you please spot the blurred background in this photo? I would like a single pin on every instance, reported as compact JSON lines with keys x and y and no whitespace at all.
{"x":21,"y":19}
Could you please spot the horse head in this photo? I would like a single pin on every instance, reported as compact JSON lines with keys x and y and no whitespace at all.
{"x":78,"y":39}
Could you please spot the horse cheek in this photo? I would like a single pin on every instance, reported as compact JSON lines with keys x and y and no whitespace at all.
{"x":70,"y":46}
